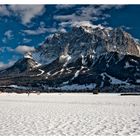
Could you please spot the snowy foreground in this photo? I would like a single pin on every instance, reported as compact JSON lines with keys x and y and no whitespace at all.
{"x":69,"y":114}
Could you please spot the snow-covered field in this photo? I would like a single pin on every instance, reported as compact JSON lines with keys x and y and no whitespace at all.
{"x":69,"y":114}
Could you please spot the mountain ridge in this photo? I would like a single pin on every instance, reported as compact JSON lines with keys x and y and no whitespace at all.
{"x":91,"y":58}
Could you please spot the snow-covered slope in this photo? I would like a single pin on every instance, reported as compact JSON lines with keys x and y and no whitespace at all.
{"x":69,"y":114}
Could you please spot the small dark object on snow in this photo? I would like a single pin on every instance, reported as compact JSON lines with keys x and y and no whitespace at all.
{"x":95,"y":92}
{"x":129,"y":94}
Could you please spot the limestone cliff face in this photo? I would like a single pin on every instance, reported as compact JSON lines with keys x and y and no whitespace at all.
{"x":84,"y":39}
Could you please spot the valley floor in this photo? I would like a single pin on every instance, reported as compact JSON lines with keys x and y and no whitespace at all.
{"x":69,"y":114}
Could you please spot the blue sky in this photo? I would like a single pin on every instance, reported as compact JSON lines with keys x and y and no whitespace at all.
{"x":24,"y":27}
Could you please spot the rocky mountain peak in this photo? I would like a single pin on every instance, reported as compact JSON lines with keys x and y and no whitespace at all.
{"x":81,"y":39}
{"x":95,"y":56}
{"x":28,"y":55}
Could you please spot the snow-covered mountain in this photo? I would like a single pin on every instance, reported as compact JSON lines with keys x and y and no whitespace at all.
{"x":84,"y":40}
{"x":84,"y":58}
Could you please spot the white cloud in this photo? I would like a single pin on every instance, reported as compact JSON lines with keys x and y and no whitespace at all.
{"x":9,"y":49}
{"x":27,"y":12}
{"x":26,"y":40}
{"x":4,"y":40}
{"x":105,"y":23}
{"x":1,"y":65}
{"x":5,"y":49}
{"x":86,"y":23}
{"x":24,"y":49}
{"x":8,"y":34}
{"x":65,"y":24}
{"x":89,"y":13}
{"x":64,"y":6}
{"x":63,"y":30}
{"x":86,"y":13}
{"x":4,"y":11}
{"x":10,"y":62}
{"x":52,"y":30}
{"x":4,"y":66}
{"x":40,"y":30}
{"x":42,"y":24}
{"x":71,"y":17}
{"x":126,"y":27}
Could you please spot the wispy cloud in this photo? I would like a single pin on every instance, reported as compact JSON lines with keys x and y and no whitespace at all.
{"x":41,"y":30}
{"x":38,"y":31}
{"x":26,"y":40}
{"x":126,"y":27}
{"x":86,"y":23}
{"x":86,"y":13}
{"x":25,"y":12}
{"x":64,"y":6}
{"x":4,"y":11}
{"x":6,"y":49}
{"x":6,"y":65}
{"x":9,"y":34}
{"x":24,"y":49}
